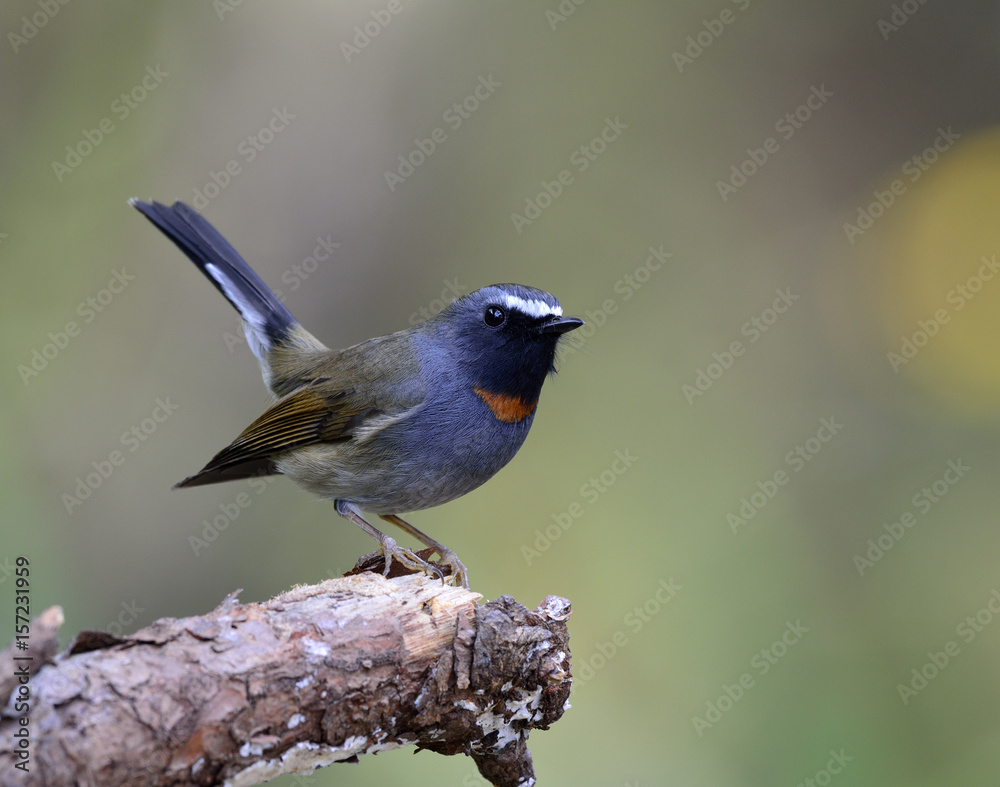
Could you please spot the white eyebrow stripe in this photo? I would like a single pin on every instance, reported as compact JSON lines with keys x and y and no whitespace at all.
{"x":533,"y":308}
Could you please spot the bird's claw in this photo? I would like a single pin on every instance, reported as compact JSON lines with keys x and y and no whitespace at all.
{"x":408,"y":558}
{"x":458,"y":570}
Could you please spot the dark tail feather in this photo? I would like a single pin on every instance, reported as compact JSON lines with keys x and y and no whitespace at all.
{"x":265,"y":316}
{"x":259,"y":466}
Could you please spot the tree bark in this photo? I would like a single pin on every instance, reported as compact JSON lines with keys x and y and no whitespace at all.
{"x":317,"y":675}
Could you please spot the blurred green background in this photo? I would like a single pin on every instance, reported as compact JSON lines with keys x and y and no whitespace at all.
{"x":779,"y":247}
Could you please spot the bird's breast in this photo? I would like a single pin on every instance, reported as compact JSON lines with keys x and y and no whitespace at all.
{"x":507,"y":408}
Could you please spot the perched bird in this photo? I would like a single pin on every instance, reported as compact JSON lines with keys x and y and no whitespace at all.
{"x":395,"y":424}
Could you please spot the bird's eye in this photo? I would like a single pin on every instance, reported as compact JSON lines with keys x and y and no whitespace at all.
{"x":494,"y":316}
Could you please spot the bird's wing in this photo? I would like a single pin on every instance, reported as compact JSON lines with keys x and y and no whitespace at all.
{"x":305,"y":417}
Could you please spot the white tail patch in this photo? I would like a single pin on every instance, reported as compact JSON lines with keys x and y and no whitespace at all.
{"x":253,"y":320}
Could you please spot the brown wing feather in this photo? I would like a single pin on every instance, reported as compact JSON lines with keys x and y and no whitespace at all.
{"x":301,"y":418}
{"x":385,"y":378}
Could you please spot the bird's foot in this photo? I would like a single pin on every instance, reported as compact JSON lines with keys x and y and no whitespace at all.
{"x":458,"y":570}
{"x":408,"y":561}
{"x":406,"y":557}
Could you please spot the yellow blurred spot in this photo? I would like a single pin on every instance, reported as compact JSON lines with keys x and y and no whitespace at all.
{"x":941,"y":289}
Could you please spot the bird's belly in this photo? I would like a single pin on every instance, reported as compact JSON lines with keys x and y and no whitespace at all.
{"x":394,"y":474}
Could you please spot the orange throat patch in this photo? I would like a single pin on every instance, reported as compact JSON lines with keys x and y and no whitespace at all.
{"x":509,"y":409}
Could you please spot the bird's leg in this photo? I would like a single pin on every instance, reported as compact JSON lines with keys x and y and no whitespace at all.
{"x":448,"y":558}
{"x":390,"y":550}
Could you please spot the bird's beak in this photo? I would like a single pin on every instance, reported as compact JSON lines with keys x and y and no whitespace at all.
{"x":561,"y":325}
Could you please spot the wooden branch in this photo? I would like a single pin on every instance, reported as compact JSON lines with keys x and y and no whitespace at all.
{"x":317,"y":675}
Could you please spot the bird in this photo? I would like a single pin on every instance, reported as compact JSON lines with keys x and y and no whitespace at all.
{"x":395,"y":424}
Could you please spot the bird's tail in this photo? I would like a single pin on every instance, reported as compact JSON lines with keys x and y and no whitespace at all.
{"x":267,"y":323}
